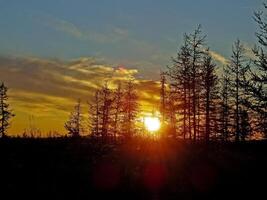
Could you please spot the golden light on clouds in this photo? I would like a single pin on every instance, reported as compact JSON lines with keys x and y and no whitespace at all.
{"x":48,"y":89}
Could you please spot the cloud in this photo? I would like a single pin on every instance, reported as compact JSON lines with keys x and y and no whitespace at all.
{"x":116,"y":44}
{"x":115,"y":34}
{"x":68,"y":28}
{"x":48,"y":89}
{"x":149,"y":93}
{"x":219,"y":58}
{"x":113,"y":40}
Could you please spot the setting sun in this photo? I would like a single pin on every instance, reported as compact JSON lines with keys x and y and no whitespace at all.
{"x":152,"y":123}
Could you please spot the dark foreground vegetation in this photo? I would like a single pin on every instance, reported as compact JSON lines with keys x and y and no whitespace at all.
{"x":139,"y":169}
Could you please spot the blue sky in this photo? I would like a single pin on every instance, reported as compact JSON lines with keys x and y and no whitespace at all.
{"x":141,"y":34}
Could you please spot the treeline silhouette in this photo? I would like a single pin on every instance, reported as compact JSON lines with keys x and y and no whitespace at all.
{"x":198,"y":105}
{"x":201,"y":106}
{"x":197,"y":102}
{"x":112,"y":113}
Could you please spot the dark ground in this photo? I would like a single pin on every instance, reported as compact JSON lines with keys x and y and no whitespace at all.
{"x":140,"y":169}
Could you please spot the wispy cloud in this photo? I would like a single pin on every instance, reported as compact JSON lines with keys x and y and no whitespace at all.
{"x":219,"y":58}
{"x":123,"y":41}
{"x":62,"y":25}
{"x":86,"y":34}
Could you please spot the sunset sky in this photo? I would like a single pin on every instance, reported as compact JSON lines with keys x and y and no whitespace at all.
{"x":54,"y":51}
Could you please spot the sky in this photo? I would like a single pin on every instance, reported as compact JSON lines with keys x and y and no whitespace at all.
{"x":56,"y":40}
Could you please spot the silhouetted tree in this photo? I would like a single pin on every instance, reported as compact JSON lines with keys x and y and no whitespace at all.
{"x":185,"y":75}
{"x":224,"y":118}
{"x":256,"y":84}
{"x":94,"y":114}
{"x":5,"y":111}
{"x":172,"y":112}
{"x":245,"y":128}
{"x":129,"y":109}
{"x":104,"y":111}
{"x":210,"y":93}
{"x":196,"y":41}
{"x":180,"y":75}
{"x":117,"y":110}
{"x":163,"y":95}
{"x":237,"y":69}
{"x":73,"y":125}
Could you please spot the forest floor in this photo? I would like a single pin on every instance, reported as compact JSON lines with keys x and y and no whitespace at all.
{"x":138,"y":169}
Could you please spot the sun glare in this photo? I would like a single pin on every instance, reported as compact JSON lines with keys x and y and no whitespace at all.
{"x":152,"y":123}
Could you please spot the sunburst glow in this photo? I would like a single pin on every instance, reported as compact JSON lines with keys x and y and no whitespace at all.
{"x":152,"y":123}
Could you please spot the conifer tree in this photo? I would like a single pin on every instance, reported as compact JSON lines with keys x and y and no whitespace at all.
{"x":74,"y":124}
{"x":210,"y":94}
{"x":5,"y":112}
{"x":129,"y":109}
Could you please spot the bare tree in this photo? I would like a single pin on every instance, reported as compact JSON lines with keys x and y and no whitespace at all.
{"x":5,"y":112}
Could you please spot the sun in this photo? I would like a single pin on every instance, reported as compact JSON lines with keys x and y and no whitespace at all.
{"x":152,"y":123}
